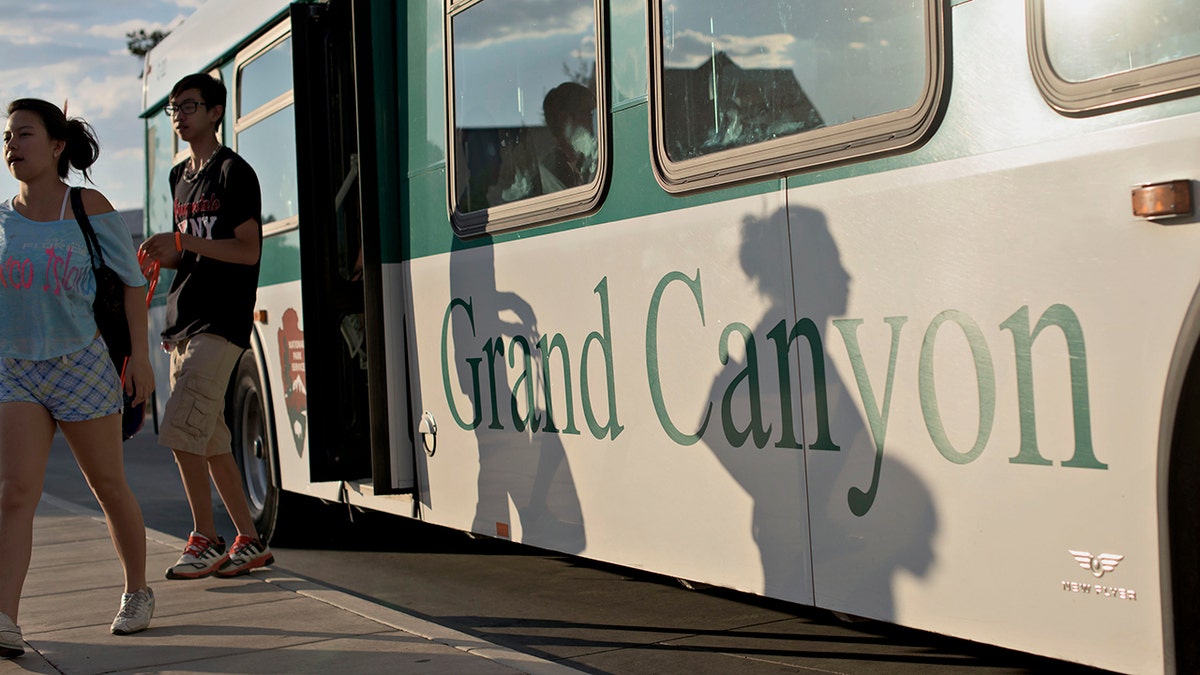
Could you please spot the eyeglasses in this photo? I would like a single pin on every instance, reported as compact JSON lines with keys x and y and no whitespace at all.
{"x":187,"y":108}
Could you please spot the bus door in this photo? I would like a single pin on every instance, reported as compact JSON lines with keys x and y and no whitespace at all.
{"x":349,"y":405}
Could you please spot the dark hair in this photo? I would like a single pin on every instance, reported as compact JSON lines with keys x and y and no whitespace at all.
{"x":82,"y":148}
{"x":565,"y":101}
{"x":211,"y":89}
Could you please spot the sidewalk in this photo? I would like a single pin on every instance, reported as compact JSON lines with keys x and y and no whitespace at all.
{"x":265,"y":622}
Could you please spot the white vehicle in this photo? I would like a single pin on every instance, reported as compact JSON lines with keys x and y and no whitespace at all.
{"x":889,"y":308}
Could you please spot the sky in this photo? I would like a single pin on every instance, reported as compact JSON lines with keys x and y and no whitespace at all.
{"x":74,"y":50}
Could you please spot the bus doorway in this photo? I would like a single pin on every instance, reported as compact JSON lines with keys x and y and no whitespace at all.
{"x":347,"y":394}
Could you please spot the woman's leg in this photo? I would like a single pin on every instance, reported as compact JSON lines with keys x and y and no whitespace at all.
{"x":100,"y":455}
{"x":26,"y":430}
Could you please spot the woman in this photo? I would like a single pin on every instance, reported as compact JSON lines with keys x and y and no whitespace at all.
{"x":54,"y":366}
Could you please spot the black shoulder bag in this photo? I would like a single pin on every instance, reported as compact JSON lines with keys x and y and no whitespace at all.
{"x":109,"y":308}
{"x":109,"y":305}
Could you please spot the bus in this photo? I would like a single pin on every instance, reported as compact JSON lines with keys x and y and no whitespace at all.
{"x":888,"y":308}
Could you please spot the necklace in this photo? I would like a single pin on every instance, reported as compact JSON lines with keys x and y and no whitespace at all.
{"x":191,"y":176}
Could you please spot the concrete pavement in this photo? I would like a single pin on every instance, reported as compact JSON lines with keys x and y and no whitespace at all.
{"x":265,"y":622}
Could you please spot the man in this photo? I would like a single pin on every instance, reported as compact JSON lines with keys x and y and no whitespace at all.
{"x":215,"y":251}
{"x":569,"y":113}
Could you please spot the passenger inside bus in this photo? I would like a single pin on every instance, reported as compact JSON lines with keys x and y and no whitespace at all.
{"x":568,"y":110}
{"x":535,"y":161}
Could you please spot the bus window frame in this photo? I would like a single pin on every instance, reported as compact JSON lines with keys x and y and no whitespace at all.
{"x":1140,"y":86}
{"x":244,"y":120}
{"x":543,"y":209}
{"x":889,"y":133}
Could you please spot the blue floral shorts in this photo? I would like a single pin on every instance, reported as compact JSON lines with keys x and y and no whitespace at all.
{"x":76,"y":387}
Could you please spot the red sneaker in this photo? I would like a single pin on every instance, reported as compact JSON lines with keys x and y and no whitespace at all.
{"x":245,"y":555}
{"x":201,"y":557}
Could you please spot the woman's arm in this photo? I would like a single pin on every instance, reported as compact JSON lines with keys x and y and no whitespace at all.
{"x":139,"y":374}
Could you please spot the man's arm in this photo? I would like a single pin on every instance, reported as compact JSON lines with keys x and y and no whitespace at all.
{"x":243,"y":249}
{"x":160,"y":247}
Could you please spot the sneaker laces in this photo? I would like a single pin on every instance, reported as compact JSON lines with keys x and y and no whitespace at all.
{"x":8,"y":625}
{"x":196,"y":545}
{"x":241,"y":544}
{"x":132,"y":604}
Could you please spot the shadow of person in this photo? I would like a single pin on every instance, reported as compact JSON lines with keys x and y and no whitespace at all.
{"x":782,"y":409}
{"x":871,"y":517}
{"x":498,"y":366}
{"x":862,"y":559}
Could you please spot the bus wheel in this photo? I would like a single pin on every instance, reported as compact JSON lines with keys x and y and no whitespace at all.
{"x":248,"y":420}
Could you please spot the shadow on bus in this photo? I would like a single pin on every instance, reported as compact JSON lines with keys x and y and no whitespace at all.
{"x":805,"y":456}
{"x":524,"y":482}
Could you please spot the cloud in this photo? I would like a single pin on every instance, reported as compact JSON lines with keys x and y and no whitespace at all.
{"x":98,"y":88}
{"x":119,"y":31}
{"x":689,"y":48}
{"x":75,"y":49}
{"x":19,"y":38}
{"x":478,"y":27}
{"x":111,"y":93}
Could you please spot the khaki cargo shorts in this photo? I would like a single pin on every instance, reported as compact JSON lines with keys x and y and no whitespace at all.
{"x":194,"y":418}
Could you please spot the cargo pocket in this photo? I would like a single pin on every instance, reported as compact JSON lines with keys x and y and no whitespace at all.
{"x":191,"y":416}
{"x":202,"y":409}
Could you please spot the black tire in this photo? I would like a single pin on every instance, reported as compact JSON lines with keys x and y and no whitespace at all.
{"x":256,"y":456}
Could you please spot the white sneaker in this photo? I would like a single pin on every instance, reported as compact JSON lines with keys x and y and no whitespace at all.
{"x":11,"y":643}
{"x":246,"y":554}
{"x":201,"y":557}
{"x":135,"y":613}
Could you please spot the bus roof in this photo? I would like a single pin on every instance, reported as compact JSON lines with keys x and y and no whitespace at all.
{"x":196,"y":45}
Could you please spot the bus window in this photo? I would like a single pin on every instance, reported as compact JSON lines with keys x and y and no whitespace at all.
{"x":744,"y":90}
{"x":1091,"y":56}
{"x":627,"y":36}
{"x":266,"y":77}
{"x":265,"y":127}
{"x":528,"y":112}
{"x":160,"y":157}
{"x":269,"y":146}
{"x":1087,"y":40}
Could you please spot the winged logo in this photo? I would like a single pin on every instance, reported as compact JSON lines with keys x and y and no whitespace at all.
{"x":1097,"y":564}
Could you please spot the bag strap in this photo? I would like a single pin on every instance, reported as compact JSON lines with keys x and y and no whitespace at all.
{"x":89,"y":234}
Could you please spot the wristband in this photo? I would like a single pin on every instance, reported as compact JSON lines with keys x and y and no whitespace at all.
{"x":179,"y":242}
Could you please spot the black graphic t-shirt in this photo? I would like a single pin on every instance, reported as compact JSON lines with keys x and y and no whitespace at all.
{"x":213,"y":296}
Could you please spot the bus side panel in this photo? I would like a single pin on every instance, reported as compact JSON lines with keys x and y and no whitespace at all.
{"x":663,"y":389}
{"x":282,"y":341}
{"x":1024,"y":403}
{"x":1031,"y":320}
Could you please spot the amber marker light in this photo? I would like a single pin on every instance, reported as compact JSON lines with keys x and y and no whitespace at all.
{"x":260,"y":315}
{"x":1153,"y":201}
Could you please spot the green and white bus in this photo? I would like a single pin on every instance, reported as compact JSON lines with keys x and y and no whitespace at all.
{"x":885,"y":307}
